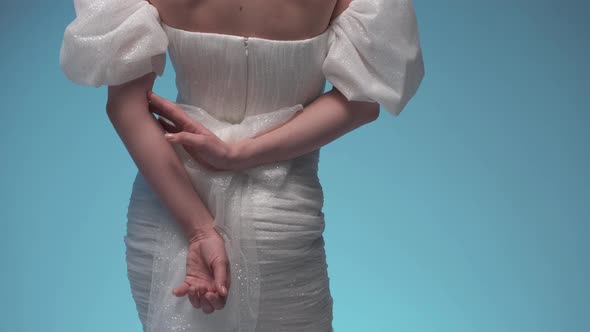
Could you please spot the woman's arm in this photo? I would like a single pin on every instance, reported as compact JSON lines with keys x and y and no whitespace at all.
{"x":127,"y":109}
{"x":328,"y":117}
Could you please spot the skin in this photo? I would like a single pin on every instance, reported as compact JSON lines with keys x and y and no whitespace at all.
{"x":130,"y":107}
{"x":207,"y":261}
{"x":271,"y":19}
{"x":325,"y":119}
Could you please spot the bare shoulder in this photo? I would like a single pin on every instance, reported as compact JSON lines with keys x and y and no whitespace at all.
{"x":273,"y":19}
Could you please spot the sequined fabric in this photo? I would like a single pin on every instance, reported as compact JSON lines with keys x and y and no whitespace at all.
{"x":271,"y":215}
{"x":229,"y":197}
{"x":112,"y":42}
{"x":375,"y":53}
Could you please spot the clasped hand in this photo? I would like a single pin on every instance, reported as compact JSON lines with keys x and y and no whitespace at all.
{"x":207,"y":278}
{"x":198,"y":141}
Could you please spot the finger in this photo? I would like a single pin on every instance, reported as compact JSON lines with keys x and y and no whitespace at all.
{"x":197,"y":127}
{"x":155,"y":110}
{"x":194,"y":141}
{"x":169,"y":110}
{"x":202,"y":289}
{"x":220,"y":267}
{"x":168,"y":127}
{"x":194,"y":144}
{"x":196,"y":155}
{"x":168,"y":124}
{"x":176,"y":114}
{"x":181,"y":290}
{"x":195,"y":300}
{"x":215,"y":299}
{"x":206,"y":305}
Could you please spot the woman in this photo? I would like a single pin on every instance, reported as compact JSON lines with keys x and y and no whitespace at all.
{"x":225,"y":218}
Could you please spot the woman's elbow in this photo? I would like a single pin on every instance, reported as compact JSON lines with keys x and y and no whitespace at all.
{"x":373,"y":112}
{"x":367,"y":111}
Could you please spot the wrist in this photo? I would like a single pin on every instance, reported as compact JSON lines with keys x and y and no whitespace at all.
{"x":242,"y":154}
{"x":200,"y":232}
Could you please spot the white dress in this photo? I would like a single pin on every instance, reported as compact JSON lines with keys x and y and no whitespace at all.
{"x":271,"y":215}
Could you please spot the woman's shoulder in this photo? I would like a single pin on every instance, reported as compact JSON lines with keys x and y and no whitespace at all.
{"x":374,"y":52}
{"x":112,"y":42}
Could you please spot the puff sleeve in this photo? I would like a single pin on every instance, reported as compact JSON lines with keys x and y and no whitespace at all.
{"x":374,"y":53}
{"x":111,"y":42}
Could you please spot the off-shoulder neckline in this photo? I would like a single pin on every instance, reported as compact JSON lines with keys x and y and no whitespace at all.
{"x":239,"y":37}
{"x":267,"y":40}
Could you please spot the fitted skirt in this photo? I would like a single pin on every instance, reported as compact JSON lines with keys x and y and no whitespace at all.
{"x":271,"y":218}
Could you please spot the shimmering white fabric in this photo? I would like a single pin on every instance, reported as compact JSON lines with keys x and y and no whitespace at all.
{"x":271,"y":215}
{"x":112,"y":42}
{"x":375,"y":53}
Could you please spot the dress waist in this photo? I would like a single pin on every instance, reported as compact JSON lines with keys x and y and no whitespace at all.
{"x":231,"y":195}
{"x":251,"y":126}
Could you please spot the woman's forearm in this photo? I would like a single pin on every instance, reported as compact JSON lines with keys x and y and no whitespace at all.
{"x":328,"y":117}
{"x":155,"y":158}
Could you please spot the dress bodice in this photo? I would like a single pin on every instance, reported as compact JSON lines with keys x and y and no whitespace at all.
{"x":232,"y":76}
{"x":370,"y":52}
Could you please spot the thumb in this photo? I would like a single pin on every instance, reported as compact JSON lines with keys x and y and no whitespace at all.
{"x":220,"y":272}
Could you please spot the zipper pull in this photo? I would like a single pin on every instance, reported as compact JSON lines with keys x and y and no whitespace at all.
{"x":246,"y":44}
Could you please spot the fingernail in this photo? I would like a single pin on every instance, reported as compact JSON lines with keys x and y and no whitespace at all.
{"x":224,"y":290}
{"x":168,"y":135}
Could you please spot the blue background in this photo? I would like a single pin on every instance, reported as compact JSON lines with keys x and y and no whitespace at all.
{"x":468,"y":212}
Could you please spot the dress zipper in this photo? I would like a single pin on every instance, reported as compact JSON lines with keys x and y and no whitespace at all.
{"x":246,"y":99}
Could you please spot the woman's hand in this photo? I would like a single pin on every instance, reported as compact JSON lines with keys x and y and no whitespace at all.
{"x":203,"y":145}
{"x":207,"y":272}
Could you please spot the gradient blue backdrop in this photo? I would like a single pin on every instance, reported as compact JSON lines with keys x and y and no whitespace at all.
{"x":469,"y":212}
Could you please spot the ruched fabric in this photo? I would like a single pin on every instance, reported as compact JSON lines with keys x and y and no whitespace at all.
{"x":144,"y":214}
{"x":375,"y":54}
{"x":271,"y":219}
